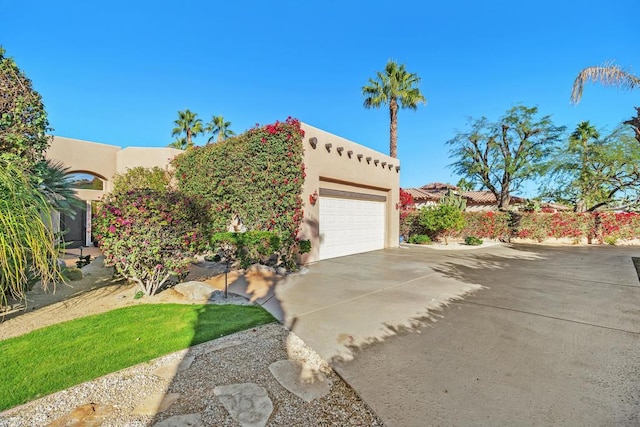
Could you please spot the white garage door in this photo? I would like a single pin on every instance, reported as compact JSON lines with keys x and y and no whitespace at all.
{"x":350,"y":226}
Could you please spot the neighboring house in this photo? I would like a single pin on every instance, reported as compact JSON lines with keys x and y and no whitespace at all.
{"x":350,"y":192}
{"x":477,"y":201}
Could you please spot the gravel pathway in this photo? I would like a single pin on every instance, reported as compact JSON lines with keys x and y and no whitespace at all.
{"x":238,"y":358}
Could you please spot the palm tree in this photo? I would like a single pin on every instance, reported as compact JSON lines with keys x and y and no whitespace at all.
{"x":395,"y":85}
{"x":579,"y":142}
{"x":607,"y":74}
{"x":188,"y":124}
{"x":217,"y":126}
{"x":51,"y":180}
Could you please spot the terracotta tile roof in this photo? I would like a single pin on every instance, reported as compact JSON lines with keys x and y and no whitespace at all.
{"x":435,"y":190}
{"x":420,"y":195}
{"x":486,"y":197}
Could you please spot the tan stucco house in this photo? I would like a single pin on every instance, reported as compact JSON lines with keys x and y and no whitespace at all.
{"x":350,"y":192}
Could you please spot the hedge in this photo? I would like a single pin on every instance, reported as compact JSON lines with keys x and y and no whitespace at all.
{"x":257,"y":176}
{"x":598,"y":227}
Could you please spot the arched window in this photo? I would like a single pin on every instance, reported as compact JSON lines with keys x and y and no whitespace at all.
{"x":85,"y":181}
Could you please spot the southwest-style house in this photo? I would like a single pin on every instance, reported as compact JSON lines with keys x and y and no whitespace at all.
{"x":350,"y":193}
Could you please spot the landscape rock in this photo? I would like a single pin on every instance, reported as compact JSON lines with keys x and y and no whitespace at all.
{"x":171,"y":369}
{"x":89,"y":415}
{"x":281,"y":271}
{"x":195,"y":291}
{"x":247,"y":403}
{"x":300,"y":379}
{"x":187,"y":420}
{"x":156,"y":403}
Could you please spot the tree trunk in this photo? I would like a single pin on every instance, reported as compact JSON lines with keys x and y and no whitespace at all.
{"x":393,"y":130}
{"x":504,"y":201}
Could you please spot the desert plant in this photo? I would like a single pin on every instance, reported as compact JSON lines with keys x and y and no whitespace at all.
{"x":454,"y":199}
{"x":150,"y":237}
{"x":28,"y":247}
{"x":420,"y":239}
{"x":472,"y":241}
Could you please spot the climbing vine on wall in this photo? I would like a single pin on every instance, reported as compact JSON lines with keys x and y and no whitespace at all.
{"x":257,"y":175}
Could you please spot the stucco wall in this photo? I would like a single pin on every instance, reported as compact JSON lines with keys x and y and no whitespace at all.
{"x":147,"y":157}
{"x":105,"y":160}
{"x":84,"y":156}
{"x":342,"y":170}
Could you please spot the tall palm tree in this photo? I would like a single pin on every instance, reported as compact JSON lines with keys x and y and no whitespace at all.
{"x":188,"y":124}
{"x":395,"y":86}
{"x":607,"y":74}
{"x":217,"y":126}
{"x":581,"y":141}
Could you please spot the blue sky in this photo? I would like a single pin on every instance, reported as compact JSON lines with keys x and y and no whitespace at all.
{"x":117,"y":72}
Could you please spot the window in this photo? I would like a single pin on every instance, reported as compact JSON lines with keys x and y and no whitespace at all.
{"x":85,"y":181}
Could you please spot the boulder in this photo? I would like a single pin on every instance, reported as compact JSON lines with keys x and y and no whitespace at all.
{"x":195,"y":291}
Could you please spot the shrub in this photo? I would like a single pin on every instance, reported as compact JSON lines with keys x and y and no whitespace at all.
{"x":472,"y":241}
{"x":407,"y":213}
{"x":620,"y":226}
{"x":409,"y":225}
{"x":257,"y":176}
{"x":541,"y":226}
{"x":304,"y":246}
{"x":149,"y":236}
{"x":156,"y":179}
{"x":420,"y":239}
{"x":28,"y":250}
{"x":441,"y":220}
{"x":489,"y":225}
{"x":248,"y":248}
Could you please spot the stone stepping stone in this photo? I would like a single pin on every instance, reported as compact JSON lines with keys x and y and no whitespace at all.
{"x":186,"y":420}
{"x":89,"y":415}
{"x":171,"y":369}
{"x":300,"y":379}
{"x":247,"y":403}
{"x":156,"y":403}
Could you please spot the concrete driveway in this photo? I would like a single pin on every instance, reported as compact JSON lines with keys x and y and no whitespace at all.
{"x":504,"y":335}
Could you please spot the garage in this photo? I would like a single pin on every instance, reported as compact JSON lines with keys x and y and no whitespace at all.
{"x":350,"y":223}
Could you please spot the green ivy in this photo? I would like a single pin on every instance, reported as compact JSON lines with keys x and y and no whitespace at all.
{"x":257,"y":175}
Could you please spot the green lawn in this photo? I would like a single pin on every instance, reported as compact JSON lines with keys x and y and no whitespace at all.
{"x":60,"y":356}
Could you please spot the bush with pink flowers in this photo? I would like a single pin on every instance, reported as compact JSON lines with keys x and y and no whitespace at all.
{"x":149,"y":236}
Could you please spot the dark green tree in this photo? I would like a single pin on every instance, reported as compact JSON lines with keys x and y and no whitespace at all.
{"x":590,"y":172}
{"x":395,"y":87}
{"x":500,"y":156}
{"x":23,"y":119}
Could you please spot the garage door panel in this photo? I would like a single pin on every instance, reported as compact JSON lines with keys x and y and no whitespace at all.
{"x":350,"y":226}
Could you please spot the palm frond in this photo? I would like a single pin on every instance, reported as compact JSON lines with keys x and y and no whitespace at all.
{"x":607,"y":74}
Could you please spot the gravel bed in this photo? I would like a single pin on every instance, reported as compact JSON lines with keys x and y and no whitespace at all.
{"x":238,"y":358}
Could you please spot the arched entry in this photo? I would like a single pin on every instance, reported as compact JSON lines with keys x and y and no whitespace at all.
{"x":76,"y":227}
